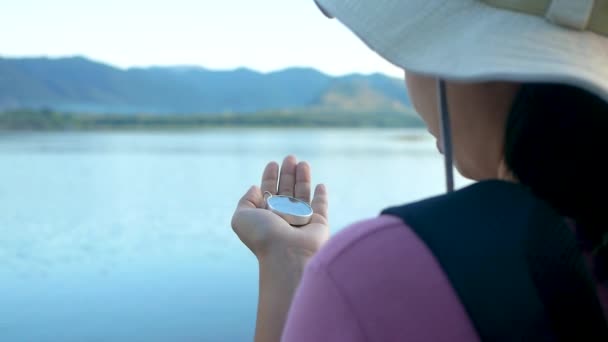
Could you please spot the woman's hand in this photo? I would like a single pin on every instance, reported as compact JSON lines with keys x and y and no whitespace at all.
{"x":282,"y":250}
{"x":266,"y":233}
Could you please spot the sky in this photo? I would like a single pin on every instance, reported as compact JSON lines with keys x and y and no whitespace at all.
{"x":264,"y":35}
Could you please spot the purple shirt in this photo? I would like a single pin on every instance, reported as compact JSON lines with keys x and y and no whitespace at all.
{"x":378,"y":281}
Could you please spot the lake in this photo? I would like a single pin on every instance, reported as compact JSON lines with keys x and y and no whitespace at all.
{"x":127,"y":237}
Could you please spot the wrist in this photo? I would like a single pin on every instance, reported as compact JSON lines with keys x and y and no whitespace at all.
{"x":284,"y":259}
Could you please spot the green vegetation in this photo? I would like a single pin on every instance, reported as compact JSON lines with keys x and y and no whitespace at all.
{"x":47,"y":120}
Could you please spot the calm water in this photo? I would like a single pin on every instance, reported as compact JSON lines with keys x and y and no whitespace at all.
{"x":126,"y":236}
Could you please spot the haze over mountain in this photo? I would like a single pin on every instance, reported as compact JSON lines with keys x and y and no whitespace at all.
{"x":77,"y":84}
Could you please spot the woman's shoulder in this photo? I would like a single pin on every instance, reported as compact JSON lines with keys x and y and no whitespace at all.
{"x":360,"y":237}
{"x":391,"y":233}
{"x":378,"y":246}
{"x":392,"y":282}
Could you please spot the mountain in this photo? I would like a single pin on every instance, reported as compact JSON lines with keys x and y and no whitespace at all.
{"x":79,"y":85}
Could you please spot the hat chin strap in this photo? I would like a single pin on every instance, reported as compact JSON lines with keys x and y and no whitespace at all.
{"x":446,"y":135}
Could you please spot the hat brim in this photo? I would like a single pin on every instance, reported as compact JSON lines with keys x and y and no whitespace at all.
{"x":471,"y":41}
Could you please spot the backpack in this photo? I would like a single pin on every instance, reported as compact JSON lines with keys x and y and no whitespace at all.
{"x":513,"y":261}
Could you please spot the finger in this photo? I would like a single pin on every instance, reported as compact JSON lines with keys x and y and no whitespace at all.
{"x":270,"y":178}
{"x":302,"y":187}
{"x":252,"y":199}
{"x":287,"y":181}
{"x":319,"y":201}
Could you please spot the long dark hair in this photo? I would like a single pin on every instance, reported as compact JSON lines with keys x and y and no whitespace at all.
{"x":556,"y":144}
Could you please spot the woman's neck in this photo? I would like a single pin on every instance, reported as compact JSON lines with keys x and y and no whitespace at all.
{"x":504,"y":173}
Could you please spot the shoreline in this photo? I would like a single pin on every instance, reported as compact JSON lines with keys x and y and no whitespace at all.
{"x":45,"y":120}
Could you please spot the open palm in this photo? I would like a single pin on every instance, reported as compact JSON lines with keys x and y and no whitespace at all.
{"x":262,"y":231}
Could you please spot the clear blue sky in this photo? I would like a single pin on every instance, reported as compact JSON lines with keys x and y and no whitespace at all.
{"x":224,"y":34}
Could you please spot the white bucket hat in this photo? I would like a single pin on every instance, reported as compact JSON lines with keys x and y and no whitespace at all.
{"x":556,"y":41}
{"x":561,"y":41}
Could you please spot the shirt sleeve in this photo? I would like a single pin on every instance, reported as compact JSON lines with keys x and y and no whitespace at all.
{"x":377,"y":281}
{"x":320,"y":312}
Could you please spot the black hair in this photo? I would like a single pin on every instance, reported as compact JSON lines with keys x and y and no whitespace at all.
{"x":555,"y":144}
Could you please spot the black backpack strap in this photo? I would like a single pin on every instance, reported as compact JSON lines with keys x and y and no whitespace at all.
{"x":513,"y":261}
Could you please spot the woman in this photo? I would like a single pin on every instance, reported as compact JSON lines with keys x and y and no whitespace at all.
{"x":526,"y":85}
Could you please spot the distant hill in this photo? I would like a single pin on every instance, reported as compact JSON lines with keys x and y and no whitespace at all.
{"x":79,"y":85}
